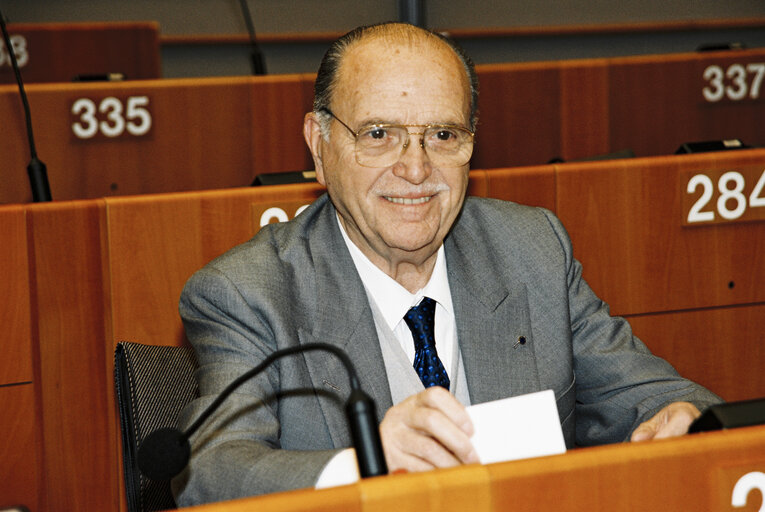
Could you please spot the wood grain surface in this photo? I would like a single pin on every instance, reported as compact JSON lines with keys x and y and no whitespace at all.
{"x":100,"y":271}
{"x":58,"y":52}
{"x":211,"y":133}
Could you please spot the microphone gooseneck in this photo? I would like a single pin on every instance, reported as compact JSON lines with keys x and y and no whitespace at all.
{"x":258,"y":65}
{"x":38,"y":174}
{"x":165,"y":452}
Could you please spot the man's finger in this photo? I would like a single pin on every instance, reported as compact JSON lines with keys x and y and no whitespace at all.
{"x":440,"y":399}
{"x":673,"y":420}
{"x":430,"y":429}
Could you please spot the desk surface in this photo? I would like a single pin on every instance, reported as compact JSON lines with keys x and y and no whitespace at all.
{"x":708,"y":472}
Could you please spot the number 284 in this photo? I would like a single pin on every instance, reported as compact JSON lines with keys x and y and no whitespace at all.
{"x":731,"y":202}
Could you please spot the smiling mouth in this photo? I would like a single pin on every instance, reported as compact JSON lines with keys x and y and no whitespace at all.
{"x":408,"y":200}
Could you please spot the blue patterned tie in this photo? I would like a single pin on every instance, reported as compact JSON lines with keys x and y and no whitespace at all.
{"x":421,"y":321}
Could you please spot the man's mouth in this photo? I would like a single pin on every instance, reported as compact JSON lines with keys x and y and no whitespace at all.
{"x":408,"y":200}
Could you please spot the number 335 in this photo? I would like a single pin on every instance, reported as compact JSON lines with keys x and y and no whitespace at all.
{"x":116,"y":119}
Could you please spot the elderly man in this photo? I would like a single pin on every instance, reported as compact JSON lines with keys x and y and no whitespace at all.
{"x":392,"y":248}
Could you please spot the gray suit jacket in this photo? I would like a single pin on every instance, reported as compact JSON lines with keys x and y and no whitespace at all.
{"x":511,"y":273}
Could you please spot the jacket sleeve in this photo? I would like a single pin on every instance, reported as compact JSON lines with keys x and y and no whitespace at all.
{"x":620,"y":383}
{"x":237,"y":452}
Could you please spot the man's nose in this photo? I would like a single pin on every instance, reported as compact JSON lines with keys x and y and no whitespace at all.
{"x":414,"y":164}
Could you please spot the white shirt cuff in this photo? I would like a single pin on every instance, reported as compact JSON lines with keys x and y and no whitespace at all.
{"x":342,"y":469}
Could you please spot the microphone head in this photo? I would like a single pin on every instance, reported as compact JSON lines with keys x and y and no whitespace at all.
{"x":164,"y":454}
{"x":362,"y":420}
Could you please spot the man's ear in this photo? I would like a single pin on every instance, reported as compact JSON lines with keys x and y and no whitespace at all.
{"x":314,"y":139}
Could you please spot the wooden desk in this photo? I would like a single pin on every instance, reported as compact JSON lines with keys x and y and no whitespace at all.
{"x":699,"y":472}
{"x":656,"y":104}
{"x":58,"y":52}
{"x":154,"y":136}
{"x":16,"y":350}
{"x":628,"y":221}
{"x":531,"y":113}
{"x":105,"y":139}
{"x":18,"y":451}
{"x":105,"y":270}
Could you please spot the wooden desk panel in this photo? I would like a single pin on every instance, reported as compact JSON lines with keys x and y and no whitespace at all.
{"x":204,"y":134}
{"x":16,"y":347}
{"x":18,"y":449}
{"x":584,"y":116}
{"x":696,"y":472}
{"x":478,"y":183}
{"x":156,"y":243}
{"x":625,"y":219}
{"x":531,"y":113}
{"x":78,"y":423}
{"x":346,"y":498}
{"x":722,"y":349}
{"x":57,"y":52}
{"x":220,"y":133}
{"x":533,"y":186}
{"x":691,"y":473}
{"x":658,"y":103}
{"x":14,"y":148}
{"x":279,"y":104}
{"x":519,"y":115}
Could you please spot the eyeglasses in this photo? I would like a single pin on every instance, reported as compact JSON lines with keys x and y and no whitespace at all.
{"x":381,"y":145}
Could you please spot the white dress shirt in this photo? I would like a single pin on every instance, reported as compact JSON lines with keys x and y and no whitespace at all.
{"x":393,"y":301}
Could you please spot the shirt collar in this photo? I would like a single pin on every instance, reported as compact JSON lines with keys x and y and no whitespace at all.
{"x":392,"y":299}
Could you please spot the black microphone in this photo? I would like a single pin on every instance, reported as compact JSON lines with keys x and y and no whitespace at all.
{"x":258,"y":65}
{"x":165,"y":452}
{"x":38,"y":174}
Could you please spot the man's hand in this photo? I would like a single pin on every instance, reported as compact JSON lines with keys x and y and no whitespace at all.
{"x":428,"y":430}
{"x":673,"y":420}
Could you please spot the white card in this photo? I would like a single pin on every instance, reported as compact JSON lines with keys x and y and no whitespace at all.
{"x":519,"y":427}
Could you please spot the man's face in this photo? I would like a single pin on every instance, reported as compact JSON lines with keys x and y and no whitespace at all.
{"x":402,"y":212}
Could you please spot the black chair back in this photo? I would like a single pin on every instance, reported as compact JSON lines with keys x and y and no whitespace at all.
{"x":153,"y":384}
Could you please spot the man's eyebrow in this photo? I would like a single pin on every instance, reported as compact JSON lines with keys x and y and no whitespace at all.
{"x":375,"y":120}
{"x":378,"y":120}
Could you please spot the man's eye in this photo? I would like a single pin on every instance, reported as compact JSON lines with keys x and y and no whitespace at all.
{"x":445,"y":135}
{"x":377,"y":133}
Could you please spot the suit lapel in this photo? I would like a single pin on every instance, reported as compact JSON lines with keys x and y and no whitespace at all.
{"x":343,"y":319}
{"x":492,"y":318}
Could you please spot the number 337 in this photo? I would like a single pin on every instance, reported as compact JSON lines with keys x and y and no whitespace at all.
{"x":738,"y":85}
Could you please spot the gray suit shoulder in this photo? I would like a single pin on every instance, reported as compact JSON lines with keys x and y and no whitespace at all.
{"x":498,"y":225}
{"x":275,"y":250}
{"x":507,"y":215}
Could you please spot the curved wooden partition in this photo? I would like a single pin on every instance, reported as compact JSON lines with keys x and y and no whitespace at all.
{"x":700,"y":472}
{"x":157,"y":136}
